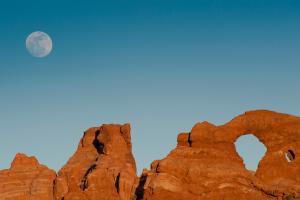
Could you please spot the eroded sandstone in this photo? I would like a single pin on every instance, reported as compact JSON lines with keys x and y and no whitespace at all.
{"x":103,"y":167}
{"x":204,"y":165}
{"x":26,"y":180}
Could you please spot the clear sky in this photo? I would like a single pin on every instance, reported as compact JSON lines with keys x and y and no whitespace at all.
{"x":161,"y":65}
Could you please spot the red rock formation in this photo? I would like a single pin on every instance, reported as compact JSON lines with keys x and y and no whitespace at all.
{"x":205,"y":164}
{"x":26,"y":180}
{"x":103,"y":167}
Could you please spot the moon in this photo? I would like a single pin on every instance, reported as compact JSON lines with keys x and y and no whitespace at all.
{"x":39,"y":44}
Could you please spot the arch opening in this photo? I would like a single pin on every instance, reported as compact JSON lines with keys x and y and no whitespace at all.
{"x":290,"y":156}
{"x":251,"y":150}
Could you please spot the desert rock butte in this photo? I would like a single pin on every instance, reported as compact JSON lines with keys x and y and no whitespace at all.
{"x":204,"y":166}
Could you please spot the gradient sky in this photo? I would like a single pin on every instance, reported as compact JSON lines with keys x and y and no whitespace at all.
{"x":160,"y":65}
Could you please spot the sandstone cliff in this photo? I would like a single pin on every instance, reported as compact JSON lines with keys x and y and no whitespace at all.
{"x":204,"y":165}
{"x":103,"y":167}
{"x":26,"y":180}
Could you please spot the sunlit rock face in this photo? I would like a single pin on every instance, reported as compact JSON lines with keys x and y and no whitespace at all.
{"x":26,"y":180}
{"x":204,"y":165}
{"x":103,"y":167}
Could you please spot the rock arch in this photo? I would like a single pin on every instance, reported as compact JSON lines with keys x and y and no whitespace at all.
{"x":251,"y":150}
{"x":278,"y":132}
{"x":214,"y":146}
{"x":204,"y":165}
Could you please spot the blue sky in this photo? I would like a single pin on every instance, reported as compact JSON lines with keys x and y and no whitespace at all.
{"x":160,"y":65}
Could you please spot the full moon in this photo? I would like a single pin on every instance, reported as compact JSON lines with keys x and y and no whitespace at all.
{"x":39,"y":44}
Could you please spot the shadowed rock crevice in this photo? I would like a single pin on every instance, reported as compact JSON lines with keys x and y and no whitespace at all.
{"x":97,"y":144}
{"x":189,"y":140}
{"x":84,"y":182}
{"x":139,"y":192}
{"x":117,"y":183}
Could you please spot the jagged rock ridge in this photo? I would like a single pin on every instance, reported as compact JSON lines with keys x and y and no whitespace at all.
{"x":204,"y":165}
